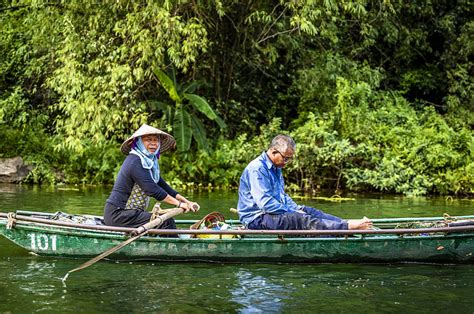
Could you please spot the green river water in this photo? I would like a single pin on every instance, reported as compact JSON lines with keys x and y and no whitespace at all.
{"x":32,"y":284}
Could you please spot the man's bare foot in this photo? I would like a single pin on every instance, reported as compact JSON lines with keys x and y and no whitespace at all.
{"x":360,"y":224}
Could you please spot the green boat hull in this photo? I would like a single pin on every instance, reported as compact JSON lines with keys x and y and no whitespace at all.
{"x":60,"y":241}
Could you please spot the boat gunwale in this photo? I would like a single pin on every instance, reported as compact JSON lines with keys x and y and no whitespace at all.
{"x":101,"y":228}
{"x":237,"y":222}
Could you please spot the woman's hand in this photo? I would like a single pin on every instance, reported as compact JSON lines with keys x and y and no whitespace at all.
{"x":193,"y":206}
{"x":189,"y":206}
{"x":184,"y":206}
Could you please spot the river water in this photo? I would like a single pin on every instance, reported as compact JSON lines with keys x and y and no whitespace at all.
{"x":32,"y":284}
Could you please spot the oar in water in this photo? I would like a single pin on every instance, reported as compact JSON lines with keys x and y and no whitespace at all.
{"x":142,"y":230}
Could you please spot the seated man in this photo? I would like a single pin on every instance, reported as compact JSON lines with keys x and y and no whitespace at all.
{"x":263,"y":203}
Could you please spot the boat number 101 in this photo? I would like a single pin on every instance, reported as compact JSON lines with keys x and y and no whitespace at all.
{"x":43,"y":242}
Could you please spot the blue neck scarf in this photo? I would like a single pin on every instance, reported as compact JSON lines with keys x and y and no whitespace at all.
{"x":149,"y":160}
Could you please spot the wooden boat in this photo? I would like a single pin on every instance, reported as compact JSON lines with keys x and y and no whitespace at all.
{"x":432,"y":240}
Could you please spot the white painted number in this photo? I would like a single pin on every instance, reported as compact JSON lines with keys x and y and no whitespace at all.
{"x":43,"y":242}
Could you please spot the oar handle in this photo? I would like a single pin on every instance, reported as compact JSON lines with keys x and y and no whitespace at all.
{"x":158,"y":221}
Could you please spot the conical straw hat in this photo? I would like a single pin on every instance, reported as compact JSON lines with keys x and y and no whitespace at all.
{"x":167,"y":141}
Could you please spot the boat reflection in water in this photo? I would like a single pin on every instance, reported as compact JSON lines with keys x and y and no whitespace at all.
{"x":256,"y":293}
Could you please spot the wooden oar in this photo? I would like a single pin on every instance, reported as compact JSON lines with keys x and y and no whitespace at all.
{"x":142,"y":230}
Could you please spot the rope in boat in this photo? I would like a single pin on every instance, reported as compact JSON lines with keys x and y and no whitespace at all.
{"x":11,"y":220}
{"x":445,"y":222}
{"x":448,"y":218}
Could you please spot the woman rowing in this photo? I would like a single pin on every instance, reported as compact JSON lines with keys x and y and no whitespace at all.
{"x":139,"y":179}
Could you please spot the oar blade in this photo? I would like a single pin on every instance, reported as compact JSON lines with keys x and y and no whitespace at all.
{"x":135,"y":235}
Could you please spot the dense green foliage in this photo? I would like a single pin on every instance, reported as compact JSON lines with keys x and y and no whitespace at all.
{"x":186,"y":125}
{"x":378,"y":94}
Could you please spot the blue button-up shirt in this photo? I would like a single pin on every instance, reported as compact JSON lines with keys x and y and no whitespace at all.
{"x":261,"y":191}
